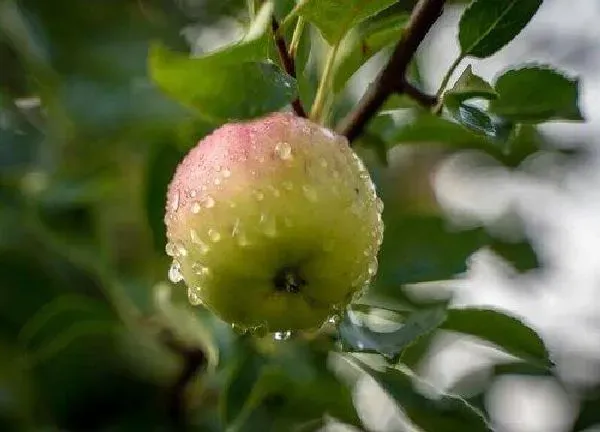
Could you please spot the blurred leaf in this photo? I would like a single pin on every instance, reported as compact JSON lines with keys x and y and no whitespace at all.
{"x":162,"y":163}
{"x":336,"y":17}
{"x":535,"y":95}
{"x":423,"y":248}
{"x":589,"y":414}
{"x":470,"y":86}
{"x":413,"y":354}
{"x":358,"y":337}
{"x":519,"y":254}
{"x":505,"y":331}
{"x":446,"y":413}
{"x":488,"y":25}
{"x":230,"y":84}
{"x":363,"y":43}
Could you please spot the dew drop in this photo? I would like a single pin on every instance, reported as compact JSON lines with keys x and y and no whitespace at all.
{"x":196,"y":207}
{"x":209,"y":201}
{"x":242,"y":239}
{"x":175,"y":275}
{"x":214,"y":235}
{"x":200,"y":269}
{"x":335,"y":174}
{"x":194,"y":296}
{"x":239,"y":329}
{"x":196,"y":240}
{"x":379,"y":204}
{"x":170,"y":249}
{"x":323,"y":163}
{"x":175,"y":203}
{"x":334,"y":319}
{"x":193,"y":193}
{"x":217,"y":181}
{"x":226,"y":173}
{"x":261,"y":159}
{"x":309,"y":193}
{"x":274,"y":191}
{"x":269,"y":225}
{"x":372,"y":268}
{"x":282,"y":336}
{"x":259,"y":195}
{"x":180,"y":250}
{"x":287,"y":185}
{"x":284,"y":151}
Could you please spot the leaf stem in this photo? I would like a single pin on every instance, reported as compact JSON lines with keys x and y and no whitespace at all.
{"x":296,"y":37}
{"x":287,"y":61}
{"x":316,"y":112}
{"x":440,"y":93}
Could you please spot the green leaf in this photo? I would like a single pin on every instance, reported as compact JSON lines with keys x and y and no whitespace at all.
{"x":469,"y":86}
{"x":335,"y":18}
{"x":446,"y":413}
{"x":535,"y":94}
{"x":231,"y":84}
{"x":501,"y":329}
{"x":482,"y":122}
{"x":161,"y":165}
{"x":589,"y":414}
{"x":363,"y":43}
{"x":519,"y":254}
{"x":488,"y":25}
{"x":360,"y":338}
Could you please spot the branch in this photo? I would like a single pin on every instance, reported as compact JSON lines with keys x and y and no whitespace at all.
{"x":194,"y":360}
{"x":424,"y":99}
{"x":393,"y":76}
{"x":287,"y":61}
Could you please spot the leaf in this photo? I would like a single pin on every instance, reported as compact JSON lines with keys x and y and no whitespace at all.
{"x":482,"y":122}
{"x":335,"y":18}
{"x":488,"y":25}
{"x":390,"y":344}
{"x":535,"y":94}
{"x":222,"y":86}
{"x":469,"y":86}
{"x":447,"y":413}
{"x":363,"y":43}
{"x":501,"y":329}
{"x":589,"y":415}
{"x":161,"y":165}
{"x":519,"y":254}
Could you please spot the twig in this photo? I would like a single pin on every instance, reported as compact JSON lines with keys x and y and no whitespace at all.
{"x":392,"y":78}
{"x":194,"y":360}
{"x":296,"y":37}
{"x":440,"y":93}
{"x":424,"y":99}
{"x":288,"y":63}
{"x":321,"y":95}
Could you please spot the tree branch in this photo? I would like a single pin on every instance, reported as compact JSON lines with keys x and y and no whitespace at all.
{"x":194,"y":360}
{"x":288,"y":63}
{"x":424,"y":99}
{"x":393,"y":76}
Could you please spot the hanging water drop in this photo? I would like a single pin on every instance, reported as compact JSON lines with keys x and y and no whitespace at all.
{"x":194,"y":296}
{"x":379,"y":204}
{"x":226,"y":173}
{"x":282,"y":336}
{"x":196,"y":207}
{"x":170,"y":249}
{"x":200,"y":269}
{"x":284,"y":151}
{"x":372,"y":268}
{"x":175,"y":275}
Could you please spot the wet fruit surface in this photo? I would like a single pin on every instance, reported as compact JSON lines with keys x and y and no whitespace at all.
{"x":273,"y":223}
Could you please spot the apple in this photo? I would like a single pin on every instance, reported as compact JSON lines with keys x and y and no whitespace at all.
{"x":273,"y":223}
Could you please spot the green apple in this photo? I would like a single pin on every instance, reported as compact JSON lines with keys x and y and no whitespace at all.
{"x":273,"y":223}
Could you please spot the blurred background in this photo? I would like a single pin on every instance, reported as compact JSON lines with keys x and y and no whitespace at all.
{"x":88,"y":145}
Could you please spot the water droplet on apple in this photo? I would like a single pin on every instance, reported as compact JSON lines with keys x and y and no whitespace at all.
{"x":309,"y":193}
{"x":323,"y":163}
{"x":372,"y":268}
{"x":170,"y":249}
{"x":175,"y":275}
{"x":194,"y":296}
{"x":196,"y":207}
{"x":379,"y":204}
{"x":269,"y":225}
{"x":214,"y":235}
{"x":226,"y":173}
{"x":208,"y":201}
{"x":334,"y":319}
{"x":180,"y":250}
{"x":196,"y":240}
{"x":287,"y":185}
{"x":175,"y":203}
{"x":284,"y":151}
{"x":239,"y":329}
{"x":200,"y":269}
{"x":282,"y":336}
{"x":193,"y":193}
{"x":274,"y":191}
{"x":259,"y":195}
{"x":217,"y":181}
{"x":242,"y":239}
